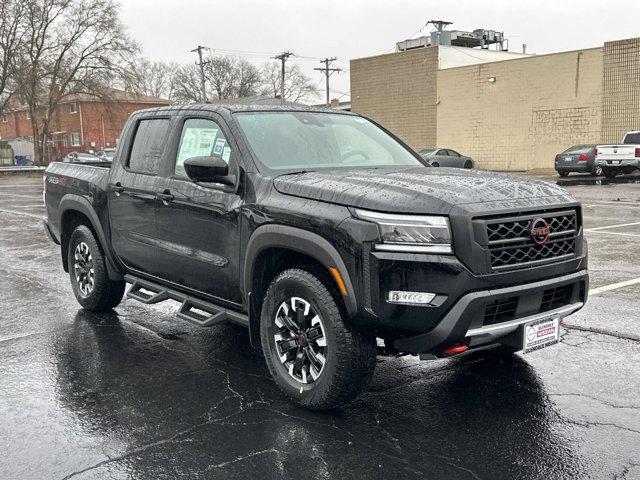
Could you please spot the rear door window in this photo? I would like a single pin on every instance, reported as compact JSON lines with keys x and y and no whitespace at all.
{"x":148,"y":145}
{"x":632,"y":138}
{"x":579,"y":149}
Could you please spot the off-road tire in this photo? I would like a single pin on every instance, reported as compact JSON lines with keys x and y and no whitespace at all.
{"x":350,"y":353}
{"x":105,"y":293}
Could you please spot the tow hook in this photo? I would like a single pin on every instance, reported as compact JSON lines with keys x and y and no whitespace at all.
{"x":455,"y":350}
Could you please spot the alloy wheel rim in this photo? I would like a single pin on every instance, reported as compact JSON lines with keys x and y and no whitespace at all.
{"x":83,"y":268}
{"x":300,"y":340}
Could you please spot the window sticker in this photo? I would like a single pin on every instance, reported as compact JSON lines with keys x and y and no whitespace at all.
{"x":226,"y":154}
{"x":196,"y":142}
{"x":218,"y":149}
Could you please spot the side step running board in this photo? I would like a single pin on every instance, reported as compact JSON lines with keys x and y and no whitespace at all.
{"x":195,"y":310}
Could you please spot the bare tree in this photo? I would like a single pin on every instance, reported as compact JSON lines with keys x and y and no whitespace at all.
{"x":225,"y":77}
{"x":297,"y":86}
{"x":11,"y":33}
{"x":185,"y":84}
{"x":231,"y":77}
{"x":146,"y":77}
{"x":71,"y":46}
{"x":248,"y":82}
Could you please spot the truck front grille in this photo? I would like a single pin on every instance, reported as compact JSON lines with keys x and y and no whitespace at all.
{"x":511,"y":245}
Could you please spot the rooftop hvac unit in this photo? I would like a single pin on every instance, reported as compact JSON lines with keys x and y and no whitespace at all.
{"x":459,"y":38}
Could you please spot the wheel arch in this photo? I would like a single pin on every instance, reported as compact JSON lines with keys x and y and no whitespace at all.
{"x":76,"y":210}
{"x":287,"y":247}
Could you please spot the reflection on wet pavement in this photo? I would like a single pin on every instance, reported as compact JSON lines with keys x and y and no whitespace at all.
{"x":138,"y":394}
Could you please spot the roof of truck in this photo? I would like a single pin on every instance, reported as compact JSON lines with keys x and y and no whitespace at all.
{"x":232,"y":108}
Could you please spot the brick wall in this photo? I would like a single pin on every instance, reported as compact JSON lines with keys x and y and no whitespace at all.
{"x":96,"y":124}
{"x":17,"y":125}
{"x":536,"y":108}
{"x":399,"y":90}
{"x":620,"y":89}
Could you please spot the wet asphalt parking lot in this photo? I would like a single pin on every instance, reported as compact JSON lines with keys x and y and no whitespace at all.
{"x":138,"y":394}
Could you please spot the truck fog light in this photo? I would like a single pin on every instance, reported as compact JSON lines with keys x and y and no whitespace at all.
{"x":410,"y":298}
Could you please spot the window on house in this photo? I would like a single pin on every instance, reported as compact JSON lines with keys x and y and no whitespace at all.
{"x":73,"y":107}
{"x":4,"y":119}
{"x":75,"y":139}
{"x":27,"y":115}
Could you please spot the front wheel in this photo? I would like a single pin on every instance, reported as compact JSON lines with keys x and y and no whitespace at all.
{"x":313,"y":355}
{"x":91,"y":284}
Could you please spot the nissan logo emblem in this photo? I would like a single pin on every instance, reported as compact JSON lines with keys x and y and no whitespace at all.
{"x":540,"y":231}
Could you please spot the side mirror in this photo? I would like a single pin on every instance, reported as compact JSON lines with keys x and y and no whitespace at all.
{"x":208,"y":169}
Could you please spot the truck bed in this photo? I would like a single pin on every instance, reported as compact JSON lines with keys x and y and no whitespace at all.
{"x":89,"y":181}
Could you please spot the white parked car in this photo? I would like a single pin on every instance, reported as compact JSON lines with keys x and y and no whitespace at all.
{"x":621,"y":158}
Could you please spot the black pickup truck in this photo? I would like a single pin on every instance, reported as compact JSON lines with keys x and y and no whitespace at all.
{"x":324,"y":234}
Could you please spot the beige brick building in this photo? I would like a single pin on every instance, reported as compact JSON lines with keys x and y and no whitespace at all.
{"x":511,"y":114}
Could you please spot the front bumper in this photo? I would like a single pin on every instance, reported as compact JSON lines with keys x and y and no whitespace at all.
{"x":464,"y":322}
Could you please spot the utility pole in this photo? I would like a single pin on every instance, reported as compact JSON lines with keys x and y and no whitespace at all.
{"x":327,"y":73}
{"x":201,"y":64}
{"x":283,"y":58}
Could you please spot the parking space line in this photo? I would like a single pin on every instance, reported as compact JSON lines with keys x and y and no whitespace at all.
{"x":22,"y":185}
{"x":617,"y":233}
{"x":611,"y":226}
{"x":24,"y":214}
{"x":614,"y":286}
{"x":601,"y":203}
{"x":12,"y":195}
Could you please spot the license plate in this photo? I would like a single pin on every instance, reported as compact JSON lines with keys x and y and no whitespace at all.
{"x":541,"y":333}
{"x":613,"y":162}
{"x":568,"y":159}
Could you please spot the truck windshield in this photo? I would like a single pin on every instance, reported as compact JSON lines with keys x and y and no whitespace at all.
{"x":632,"y":138}
{"x":311,"y":140}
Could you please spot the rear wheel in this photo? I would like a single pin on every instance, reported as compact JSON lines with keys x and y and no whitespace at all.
{"x":563,"y":174}
{"x":91,"y":284}
{"x":435,"y":164}
{"x":313,"y":355}
{"x":610,"y":172}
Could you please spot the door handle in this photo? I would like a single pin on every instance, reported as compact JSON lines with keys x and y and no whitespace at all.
{"x":118,"y":189}
{"x":165,"y":196}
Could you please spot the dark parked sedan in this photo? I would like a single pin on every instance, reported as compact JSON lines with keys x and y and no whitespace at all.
{"x":579,"y":158}
{"x":445,"y":157}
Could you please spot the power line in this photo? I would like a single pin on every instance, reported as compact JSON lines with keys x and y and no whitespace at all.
{"x":327,"y":73}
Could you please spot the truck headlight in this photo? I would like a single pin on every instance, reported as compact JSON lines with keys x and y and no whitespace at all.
{"x":410,"y":233}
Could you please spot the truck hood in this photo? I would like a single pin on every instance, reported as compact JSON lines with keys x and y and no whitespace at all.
{"x":422,"y":190}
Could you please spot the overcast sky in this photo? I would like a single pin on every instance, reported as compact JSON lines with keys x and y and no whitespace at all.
{"x":168,"y":30}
